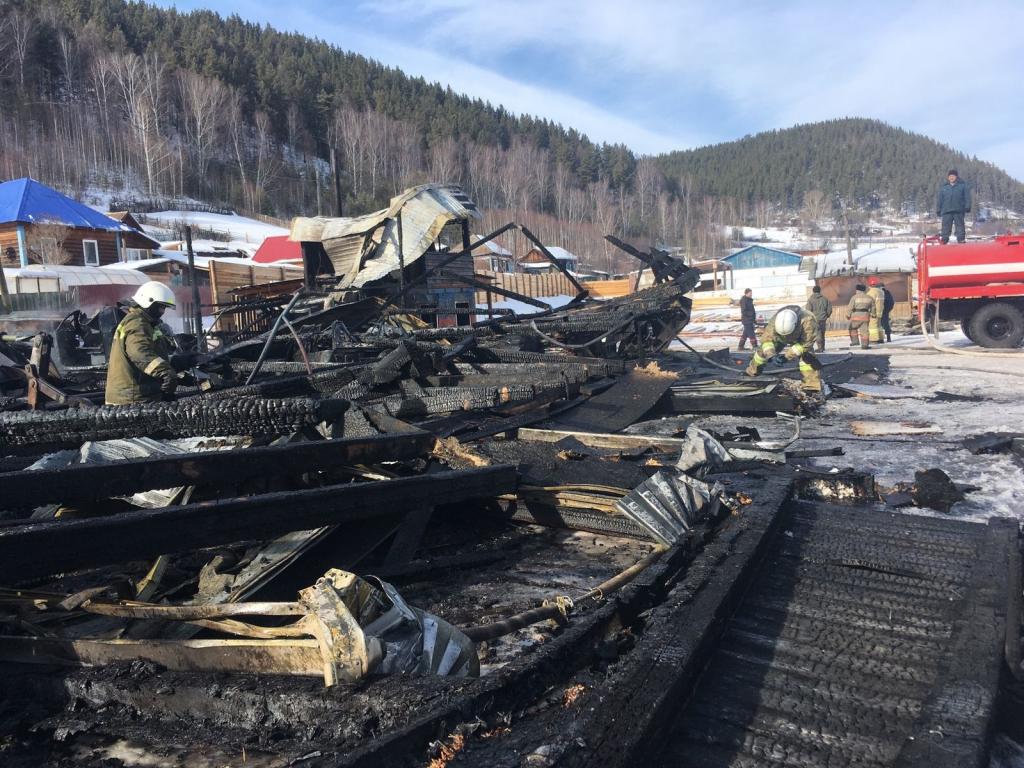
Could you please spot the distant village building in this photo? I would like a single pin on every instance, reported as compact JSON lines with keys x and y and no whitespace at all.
{"x":40,"y":225}
{"x":535,"y":261}
{"x":138,"y":246}
{"x":895,"y":266}
{"x":766,"y":271}
{"x":491,"y":257}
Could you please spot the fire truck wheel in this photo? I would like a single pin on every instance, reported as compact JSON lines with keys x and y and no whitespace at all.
{"x":998,"y":325}
{"x":965,"y":326}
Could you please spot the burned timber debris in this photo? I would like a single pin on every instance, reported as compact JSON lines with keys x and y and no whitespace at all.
{"x":380,"y":524}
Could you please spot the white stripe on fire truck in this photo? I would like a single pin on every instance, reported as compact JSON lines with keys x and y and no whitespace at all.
{"x":976,"y":269}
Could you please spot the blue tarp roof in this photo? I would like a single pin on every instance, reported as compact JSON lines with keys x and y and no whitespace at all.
{"x":29,"y":202}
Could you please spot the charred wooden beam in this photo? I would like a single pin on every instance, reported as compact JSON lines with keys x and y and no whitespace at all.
{"x":753,"y":405}
{"x":90,"y":482}
{"x":39,"y":549}
{"x":193,"y":418}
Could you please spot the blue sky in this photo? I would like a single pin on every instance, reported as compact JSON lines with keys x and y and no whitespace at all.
{"x":666,"y":75}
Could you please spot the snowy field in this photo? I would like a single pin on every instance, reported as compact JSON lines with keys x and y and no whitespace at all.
{"x":238,"y":233}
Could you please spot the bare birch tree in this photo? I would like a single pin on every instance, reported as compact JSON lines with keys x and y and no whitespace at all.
{"x":203,"y":100}
{"x":268,"y":160}
{"x":141,"y":80}
{"x":21,"y":29}
{"x":238,"y":133}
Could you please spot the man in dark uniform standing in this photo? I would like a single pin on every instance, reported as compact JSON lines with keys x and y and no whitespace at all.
{"x":953,"y":202}
{"x":748,"y":316}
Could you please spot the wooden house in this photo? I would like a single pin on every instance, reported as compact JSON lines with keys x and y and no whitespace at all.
{"x":136,"y":245}
{"x":767,"y":271}
{"x":492,"y":258}
{"x":39,"y":224}
{"x":535,"y":261}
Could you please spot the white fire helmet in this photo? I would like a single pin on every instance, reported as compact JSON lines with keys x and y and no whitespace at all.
{"x":153,"y":293}
{"x":785,"y":322}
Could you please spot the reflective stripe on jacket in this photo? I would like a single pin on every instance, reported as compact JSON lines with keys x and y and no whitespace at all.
{"x":138,"y":371}
{"x":861,"y":307}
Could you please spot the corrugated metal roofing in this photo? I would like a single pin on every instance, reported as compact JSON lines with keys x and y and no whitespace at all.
{"x":761,"y":257}
{"x":365,"y":248}
{"x":72,"y":276}
{"x":26,"y":201}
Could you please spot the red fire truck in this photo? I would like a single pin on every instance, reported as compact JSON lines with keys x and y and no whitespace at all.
{"x":981,"y":284}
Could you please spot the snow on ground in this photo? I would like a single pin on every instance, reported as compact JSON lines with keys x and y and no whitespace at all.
{"x":231,"y":226}
{"x":996,"y":381}
{"x":522,"y":308}
{"x":765,"y":234}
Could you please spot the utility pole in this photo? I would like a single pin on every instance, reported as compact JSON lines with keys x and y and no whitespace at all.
{"x":337,"y":182}
{"x":197,"y":310}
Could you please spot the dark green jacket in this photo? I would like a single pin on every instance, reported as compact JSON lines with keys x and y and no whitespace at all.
{"x":820,"y":307}
{"x":953,"y":198}
{"x":139,"y":371}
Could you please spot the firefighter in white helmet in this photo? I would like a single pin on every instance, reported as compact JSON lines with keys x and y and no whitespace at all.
{"x":792,"y":331}
{"x":140,"y":369}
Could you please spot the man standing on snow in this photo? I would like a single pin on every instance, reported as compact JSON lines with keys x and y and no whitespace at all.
{"x":953,"y":202}
{"x":888,"y":302}
{"x":748,"y":316}
{"x":821,"y":308}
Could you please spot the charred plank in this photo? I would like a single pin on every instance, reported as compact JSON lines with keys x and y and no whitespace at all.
{"x":38,"y":549}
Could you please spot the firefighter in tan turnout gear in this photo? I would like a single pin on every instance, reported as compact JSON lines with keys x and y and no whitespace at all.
{"x":876,"y":295}
{"x":140,"y":369}
{"x":861,"y":312}
{"x":792,"y":331}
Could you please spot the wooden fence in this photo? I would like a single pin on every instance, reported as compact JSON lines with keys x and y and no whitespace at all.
{"x":226,"y":278}
{"x":548,"y":284}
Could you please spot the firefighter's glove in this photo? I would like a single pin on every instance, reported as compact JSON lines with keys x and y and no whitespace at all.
{"x":752,"y":370}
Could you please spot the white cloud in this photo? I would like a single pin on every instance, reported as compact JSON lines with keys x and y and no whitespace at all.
{"x":665,"y":75}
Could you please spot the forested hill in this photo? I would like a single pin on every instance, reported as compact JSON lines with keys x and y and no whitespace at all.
{"x":101,"y":97}
{"x":863,"y":160}
{"x":298,"y":82}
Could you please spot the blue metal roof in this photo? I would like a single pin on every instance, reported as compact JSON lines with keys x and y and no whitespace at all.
{"x":761,"y":257}
{"x":29,"y":202}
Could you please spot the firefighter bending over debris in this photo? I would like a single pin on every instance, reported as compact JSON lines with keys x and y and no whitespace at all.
{"x":140,"y":369}
{"x":793,"y":331}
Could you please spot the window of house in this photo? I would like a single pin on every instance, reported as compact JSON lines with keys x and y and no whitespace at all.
{"x":135,"y":254}
{"x":91,"y":252}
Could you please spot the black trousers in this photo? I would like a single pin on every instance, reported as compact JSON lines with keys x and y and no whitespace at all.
{"x":886,"y":328}
{"x":948,"y":221}
{"x":749,"y":333}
